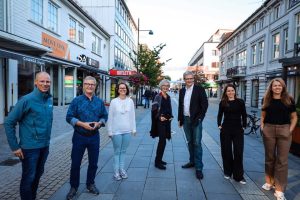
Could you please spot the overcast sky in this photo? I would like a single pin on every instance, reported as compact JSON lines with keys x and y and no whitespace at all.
{"x":185,"y":24}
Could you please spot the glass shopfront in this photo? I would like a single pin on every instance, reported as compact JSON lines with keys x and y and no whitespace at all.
{"x":255,"y":93}
{"x":69,"y":85}
{"x":26,"y":76}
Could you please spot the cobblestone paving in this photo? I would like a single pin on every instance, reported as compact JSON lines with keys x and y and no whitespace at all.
{"x":57,"y":168}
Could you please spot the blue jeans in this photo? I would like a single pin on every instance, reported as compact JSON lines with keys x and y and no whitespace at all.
{"x":120,"y":143}
{"x":32,"y":170}
{"x":193,"y":134}
{"x":147,"y":102}
{"x":80,"y":143}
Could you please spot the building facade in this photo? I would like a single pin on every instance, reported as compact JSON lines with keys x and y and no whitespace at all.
{"x":205,"y":62}
{"x":115,"y":17}
{"x":54,"y":36}
{"x":260,"y":49}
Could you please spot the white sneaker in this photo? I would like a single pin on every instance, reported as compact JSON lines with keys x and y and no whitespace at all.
{"x":123,"y":173}
{"x":267,"y":186}
{"x":226,"y":177}
{"x":279,"y":195}
{"x":117,"y":176}
{"x":243,"y":181}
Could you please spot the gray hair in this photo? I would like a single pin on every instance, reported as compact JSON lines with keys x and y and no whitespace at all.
{"x":187,"y":73}
{"x":88,"y":78}
{"x":163,"y":82}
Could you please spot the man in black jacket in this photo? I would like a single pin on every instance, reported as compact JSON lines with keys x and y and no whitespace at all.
{"x":191,"y":112}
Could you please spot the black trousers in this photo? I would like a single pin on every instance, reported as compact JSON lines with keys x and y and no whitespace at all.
{"x":232,"y":158}
{"x":162,"y":134}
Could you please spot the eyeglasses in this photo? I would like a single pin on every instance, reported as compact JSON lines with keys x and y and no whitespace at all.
{"x":166,"y":85}
{"x":189,"y":79}
{"x":90,"y":84}
{"x":122,"y":88}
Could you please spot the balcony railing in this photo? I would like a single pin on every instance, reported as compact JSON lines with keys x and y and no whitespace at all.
{"x":235,"y":72}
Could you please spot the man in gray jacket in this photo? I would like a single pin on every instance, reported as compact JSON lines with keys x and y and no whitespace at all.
{"x":34,"y":113}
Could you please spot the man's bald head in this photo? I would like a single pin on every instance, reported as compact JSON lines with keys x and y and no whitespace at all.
{"x":42,"y":81}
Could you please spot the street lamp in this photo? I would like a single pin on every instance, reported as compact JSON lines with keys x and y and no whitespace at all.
{"x":150,"y":32}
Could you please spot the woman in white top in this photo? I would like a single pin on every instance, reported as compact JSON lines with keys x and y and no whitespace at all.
{"x":120,"y":124}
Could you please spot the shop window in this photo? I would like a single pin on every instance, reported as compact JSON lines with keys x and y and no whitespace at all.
{"x":26,"y":76}
{"x":255,"y":93}
{"x":69,"y":85}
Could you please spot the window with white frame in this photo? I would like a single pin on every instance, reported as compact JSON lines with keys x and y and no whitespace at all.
{"x":72,"y":29}
{"x":80,"y":34}
{"x":254,"y":28}
{"x":275,"y":49}
{"x":276,"y":13}
{"x":297,"y":27}
{"x":241,"y":58}
{"x":261,"y":23}
{"x":52,"y":16}
{"x":37,"y":11}
{"x":253,"y":55}
{"x":96,"y":44}
{"x":261,"y":46}
{"x":286,"y":39}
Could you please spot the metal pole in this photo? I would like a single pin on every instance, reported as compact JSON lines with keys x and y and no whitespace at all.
{"x":137,"y":61}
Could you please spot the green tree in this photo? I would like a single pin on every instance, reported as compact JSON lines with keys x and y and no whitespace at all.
{"x":148,"y":62}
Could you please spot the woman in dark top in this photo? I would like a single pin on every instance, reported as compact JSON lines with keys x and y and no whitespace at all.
{"x":161,"y":121}
{"x":232,"y":133}
{"x":278,"y":120}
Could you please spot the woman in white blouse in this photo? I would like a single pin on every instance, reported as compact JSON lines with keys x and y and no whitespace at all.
{"x":120,"y":124}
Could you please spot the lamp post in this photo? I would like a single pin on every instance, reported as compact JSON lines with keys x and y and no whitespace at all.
{"x":150,"y":32}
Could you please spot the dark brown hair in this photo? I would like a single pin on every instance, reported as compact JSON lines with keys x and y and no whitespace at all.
{"x":224,"y":98}
{"x":117,"y":89}
{"x":284,"y":97}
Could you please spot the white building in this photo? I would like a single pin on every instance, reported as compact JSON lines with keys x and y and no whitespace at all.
{"x":116,"y":18}
{"x":262,"y":48}
{"x":205,"y":61}
{"x":54,"y":36}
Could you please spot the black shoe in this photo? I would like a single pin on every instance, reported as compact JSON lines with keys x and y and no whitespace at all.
{"x":92,"y":189}
{"x":72,"y":193}
{"x":199,"y":174}
{"x":163,"y":162}
{"x":188,"y":165}
{"x":160,"y":166}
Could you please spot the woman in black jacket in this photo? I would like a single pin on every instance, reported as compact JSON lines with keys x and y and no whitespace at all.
{"x":161,"y":121}
{"x":232,"y":133}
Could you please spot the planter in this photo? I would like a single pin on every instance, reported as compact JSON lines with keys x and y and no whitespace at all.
{"x":295,"y":147}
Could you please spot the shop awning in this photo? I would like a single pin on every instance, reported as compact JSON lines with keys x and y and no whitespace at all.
{"x":290,"y":61}
{"x":15,"y":43}
{"x":22,"y":57}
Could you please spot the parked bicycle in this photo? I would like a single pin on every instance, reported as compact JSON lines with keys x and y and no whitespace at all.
{"x":253,"y":124}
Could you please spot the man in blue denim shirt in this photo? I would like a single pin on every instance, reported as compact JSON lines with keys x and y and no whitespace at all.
{"x":86,"y":114}
{"x":34,"y":113}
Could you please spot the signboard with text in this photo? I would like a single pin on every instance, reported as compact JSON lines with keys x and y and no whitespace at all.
{"x":59,"y":48}
{"x":114,"y":72}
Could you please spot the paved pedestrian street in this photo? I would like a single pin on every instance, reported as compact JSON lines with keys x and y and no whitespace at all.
{"x":147,"y":182}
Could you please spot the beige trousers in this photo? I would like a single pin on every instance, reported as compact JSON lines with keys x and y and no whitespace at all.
{"x":277,"y":141}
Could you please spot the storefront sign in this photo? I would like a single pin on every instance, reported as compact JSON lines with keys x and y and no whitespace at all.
{"x":114,"y":72}
{"x":92,"y":62}
{"x":34,"y":60}
{"x":59,"y":48}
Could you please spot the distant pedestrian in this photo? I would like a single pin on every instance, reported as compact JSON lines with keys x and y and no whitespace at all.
{"x":278,"y":120}
{"x":232,"y":133}
{"x":34,"y":114}
{"x":120,"y":125}
{"x":147,"y":97}
{"x":86,"y":114}
{"x":161,"y":115}
{"x":191,"y":112}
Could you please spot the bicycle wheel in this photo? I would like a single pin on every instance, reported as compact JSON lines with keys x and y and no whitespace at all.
{"x":248,"y":121}
{"x":249,"y":127}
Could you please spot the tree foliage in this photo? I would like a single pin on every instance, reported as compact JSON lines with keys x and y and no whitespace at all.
{"x":148,"y":62}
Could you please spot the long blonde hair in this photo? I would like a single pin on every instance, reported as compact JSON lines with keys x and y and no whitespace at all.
{"x":284,"y":97}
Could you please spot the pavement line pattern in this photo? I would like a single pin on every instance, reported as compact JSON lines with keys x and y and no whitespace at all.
{"x":250,"y":191}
